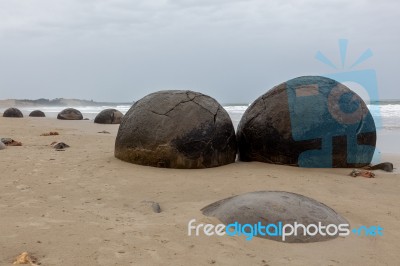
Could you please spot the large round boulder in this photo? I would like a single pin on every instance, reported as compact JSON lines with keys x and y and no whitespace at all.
{"x":279,"y":211}
{"x":109,"y":116}
{"x":13,"y":112}
{"x":308,"y":121}
{"x":37,"y":113}
{"x":70,"y":114}
{"x":176,"y":129}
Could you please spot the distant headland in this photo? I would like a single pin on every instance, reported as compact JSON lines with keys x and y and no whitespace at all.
{"x":57,"y":102}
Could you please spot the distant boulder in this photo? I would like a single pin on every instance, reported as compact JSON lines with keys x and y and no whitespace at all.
{"x":37,"y":113}
{"x":176,"y":129}
{"x":2,"y":146}
{"x":70,"y":114}
{"x":109,"y":116}
{"x":13,"y":112}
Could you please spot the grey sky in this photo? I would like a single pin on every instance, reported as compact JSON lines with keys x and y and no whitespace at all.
{"x":121,"y":50}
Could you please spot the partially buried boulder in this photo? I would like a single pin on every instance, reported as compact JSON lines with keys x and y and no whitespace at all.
{"x":109,"y":116}
{"x":272,"y":208}
{"x":13,"y":112}
{"x":37,"y":113}
{"x":70,"y":114}
{"x":176,"y":129}
{"x":308,"y":121}
{"x":2,"y":145}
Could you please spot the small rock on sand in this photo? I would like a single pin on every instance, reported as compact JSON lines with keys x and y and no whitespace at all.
{"x":10,"y":142}
{"x":59,"y":145}
{"x":156,"y":207}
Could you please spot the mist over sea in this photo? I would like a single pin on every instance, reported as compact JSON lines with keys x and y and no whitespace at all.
{"x":386,"y":115}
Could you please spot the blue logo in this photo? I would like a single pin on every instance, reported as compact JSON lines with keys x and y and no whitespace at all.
{"x":324,"y":110}
{"x":368,"y":231}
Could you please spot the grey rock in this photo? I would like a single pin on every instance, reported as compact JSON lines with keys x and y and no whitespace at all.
{"x":60,"y":145}
{"x":6,"y":140}
{"x":13,"y":112}
{"x":308,"y":122}
{"x":10,"y":142}
{"x":109,"y":116}
{"x":272,"y":207}
{"x":386,"y":166}
{"x":176,"y":129}
{"x":37,"y":113}
{"x":2,"y":146}
{"x":156,"y":207}
{"x":70,"y":114}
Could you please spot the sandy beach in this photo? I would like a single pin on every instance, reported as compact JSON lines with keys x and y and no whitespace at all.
{"x":82,"y":206}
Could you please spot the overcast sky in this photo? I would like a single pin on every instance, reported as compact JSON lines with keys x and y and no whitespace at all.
{"x":232,"y":50}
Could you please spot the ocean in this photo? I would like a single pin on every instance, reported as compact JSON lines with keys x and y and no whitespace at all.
{"x":386,"y":115}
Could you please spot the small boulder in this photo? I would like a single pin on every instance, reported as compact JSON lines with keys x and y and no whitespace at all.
{"x":70,"y":114}
{"x":59,"y":145}
{"x":13,"y":112}
{"x":2,"y":145}
{"x":109,"y":116}
{"x":10,"y":142}
{"x":386,"y":166}
{"x":37,"y":113}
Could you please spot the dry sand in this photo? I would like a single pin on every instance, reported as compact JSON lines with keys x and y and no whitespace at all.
{"x":82,"y":206}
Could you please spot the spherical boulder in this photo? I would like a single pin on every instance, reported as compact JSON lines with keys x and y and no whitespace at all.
{"x":13,"y":112}
{"x":109,"y":116}
{"x":274,"y":208}
{"x":37,"y":113}
{"x":176,"y":129}
{"x":308,"y":121}
{"x":70,"y":114}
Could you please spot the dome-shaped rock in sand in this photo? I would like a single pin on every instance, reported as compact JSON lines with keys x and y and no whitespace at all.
{"x":37,"y":113}
{"x":13,"y":112}
{"x":109,"y":116}
{"x":176,"y":129}
{"x":70,"y":114}
{"x":308,"y":121}
{"x":272,"y":207}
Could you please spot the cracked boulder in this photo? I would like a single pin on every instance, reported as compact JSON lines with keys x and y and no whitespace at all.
{"x":13,"y":112}
{"x":109,"y":116}
{"x":70,"y":114}
{"x":37,"y":113}
{"x":308,"y":121}
{"x":176,"y":129}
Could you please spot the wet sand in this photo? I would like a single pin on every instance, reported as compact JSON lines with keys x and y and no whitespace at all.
{"x":82,"y":206}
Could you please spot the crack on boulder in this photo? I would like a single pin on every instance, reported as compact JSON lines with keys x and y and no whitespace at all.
{"x":170,"y":110}
{"x":215,"y":115}
{"x":203,"y":106}
{"x":154,"y":112}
